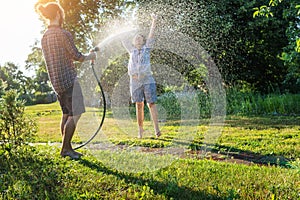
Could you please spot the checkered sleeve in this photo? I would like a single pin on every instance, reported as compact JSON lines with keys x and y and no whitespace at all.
{"x":71,"y":48}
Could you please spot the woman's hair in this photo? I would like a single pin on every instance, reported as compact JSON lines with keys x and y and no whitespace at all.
{"x":137,"y":35}
{"x":48,"y":11}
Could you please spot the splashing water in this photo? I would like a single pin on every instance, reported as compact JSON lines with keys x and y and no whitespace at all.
{"x":173,"y":56}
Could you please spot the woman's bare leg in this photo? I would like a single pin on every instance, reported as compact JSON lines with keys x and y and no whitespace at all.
{"x":154,"y":116}
{"x":140,"y":117}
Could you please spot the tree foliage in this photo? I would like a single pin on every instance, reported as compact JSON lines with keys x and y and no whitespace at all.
{"x":14,"y":79}
{"x":84,"y":19}
{"x":242,"y":47}
{"x":257,"y":51}
{"x":291,"y":52}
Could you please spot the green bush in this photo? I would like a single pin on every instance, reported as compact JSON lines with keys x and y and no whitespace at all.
{"x":15,"y":129}
{"x":181,"y":104}
{"x":252,"y":103}
{"x":170,"y":103}
{"x":44,"y":98}
{"x":238,"y":102}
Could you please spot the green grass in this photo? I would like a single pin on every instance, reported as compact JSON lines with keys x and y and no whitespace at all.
{"x":260,"y":161}
{"x":264,"y":135}
{"x":251,"y":103}
{"x":42,"y":174}
{"x":48,"y":118}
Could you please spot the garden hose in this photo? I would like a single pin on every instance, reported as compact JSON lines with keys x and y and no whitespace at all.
{"x":104,"y":106}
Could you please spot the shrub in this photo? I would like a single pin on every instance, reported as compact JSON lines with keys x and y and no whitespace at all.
{"x":44,"y":98}
{"x":15,"y":129}
{"x":170,"y":103}
{"x":183,"y":104}
{"x":239,"y":102}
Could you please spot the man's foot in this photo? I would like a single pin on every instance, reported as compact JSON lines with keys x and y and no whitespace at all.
{"x":80,"y":154}
{"x":71,"y":154}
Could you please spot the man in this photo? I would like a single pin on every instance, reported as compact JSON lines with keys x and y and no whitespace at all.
{"x":59,"y":52}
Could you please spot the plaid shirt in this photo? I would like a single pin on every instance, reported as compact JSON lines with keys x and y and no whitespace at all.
{"x":59,"y":52}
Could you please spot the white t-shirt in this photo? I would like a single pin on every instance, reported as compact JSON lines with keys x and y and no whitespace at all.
{"x":139,"y":67}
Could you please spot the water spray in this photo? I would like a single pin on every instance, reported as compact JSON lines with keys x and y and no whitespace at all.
{"x":170,"y":41}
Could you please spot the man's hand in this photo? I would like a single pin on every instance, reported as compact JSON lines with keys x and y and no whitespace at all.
{"x":92,"y":55}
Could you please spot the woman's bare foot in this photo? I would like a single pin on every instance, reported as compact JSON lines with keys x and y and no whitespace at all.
{"x":140,"y":133}
{"x":157,"y":134}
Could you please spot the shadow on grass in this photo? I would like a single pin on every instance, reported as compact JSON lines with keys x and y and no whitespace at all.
{"x":26,"y":176}
{"x":227,"y":153}
{"x":169,"y":189}
{"x":34,"y":177}
{"x":262,"y":122}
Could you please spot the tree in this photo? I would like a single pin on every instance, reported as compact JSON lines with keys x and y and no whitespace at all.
{"x":291,"y":53}
{"x":41,"y":85}
{"x":16,"y":80}
{"x":84,"y":19}
{"x":242,"y":47}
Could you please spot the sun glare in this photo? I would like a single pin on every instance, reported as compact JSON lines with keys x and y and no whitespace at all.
{"x":20,"y":27}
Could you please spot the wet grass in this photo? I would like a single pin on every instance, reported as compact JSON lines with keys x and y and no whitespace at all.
{"x":269,"y":144}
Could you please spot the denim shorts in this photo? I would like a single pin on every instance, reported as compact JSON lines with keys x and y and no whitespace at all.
{"x":145,"y":92}
{"x":71,"y":101}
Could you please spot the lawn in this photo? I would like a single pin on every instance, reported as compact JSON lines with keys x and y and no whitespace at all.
{"x":263,"y":135}
{"x":254,"y":158}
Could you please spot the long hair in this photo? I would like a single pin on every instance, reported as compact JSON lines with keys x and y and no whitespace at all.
{"x":49,"y":11}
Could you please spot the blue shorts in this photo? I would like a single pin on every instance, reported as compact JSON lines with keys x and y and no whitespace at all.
{"x":145,"y":92}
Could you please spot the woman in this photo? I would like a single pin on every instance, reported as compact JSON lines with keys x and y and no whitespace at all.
{"x":142,"y":83}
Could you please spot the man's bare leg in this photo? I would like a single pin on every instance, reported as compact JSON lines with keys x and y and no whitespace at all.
{"x":67,"y":134}
{"x":63,"y":123}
